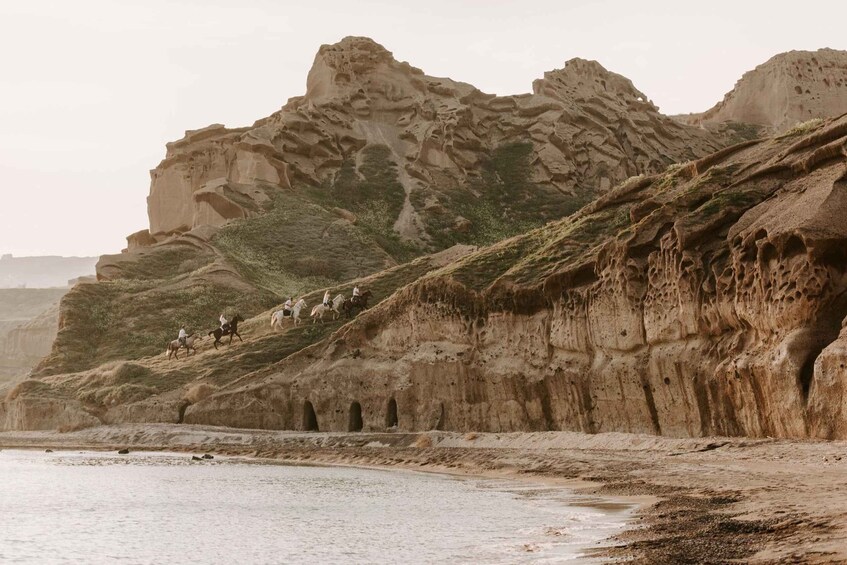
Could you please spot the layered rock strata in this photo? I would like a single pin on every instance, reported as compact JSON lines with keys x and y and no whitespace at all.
{"x":589,"y":129}
{"x":706,"y":301}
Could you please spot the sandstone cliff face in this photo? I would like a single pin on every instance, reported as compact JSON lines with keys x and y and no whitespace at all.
{"x":587,"y":129}
{"x":708,"y":300}
{"x":32,"y":340}
{"x":705,"y":301}
{"x":28,"y":325}
{"x":788,"y":89}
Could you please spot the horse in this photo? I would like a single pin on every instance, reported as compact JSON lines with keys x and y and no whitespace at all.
{"x":335,"y":307}
{"x":352,"y":303}
{"x":175,"y":345}
{"x":278,"y":316}
{"x":231,"y":330}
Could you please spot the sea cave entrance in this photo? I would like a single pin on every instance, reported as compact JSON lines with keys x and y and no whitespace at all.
{"x":310,"y":419}
{"x":391,"y":419}
{"x":355,"y":424}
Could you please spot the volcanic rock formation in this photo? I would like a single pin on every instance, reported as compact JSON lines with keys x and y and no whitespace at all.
{"x":707,"y":300}
{"x":704,"y":301}
{"x":788,"y":89}
{"x":586,"y":129}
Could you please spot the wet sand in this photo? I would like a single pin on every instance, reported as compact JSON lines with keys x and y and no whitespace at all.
{"x":709,"y":500}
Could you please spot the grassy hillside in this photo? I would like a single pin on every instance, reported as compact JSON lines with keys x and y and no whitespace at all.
{"x":305,"y":239}
{"x":502,"y":202}
{"x":119,"y":382}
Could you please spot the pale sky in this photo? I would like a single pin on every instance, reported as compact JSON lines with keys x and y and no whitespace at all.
{"x":91,"y":90}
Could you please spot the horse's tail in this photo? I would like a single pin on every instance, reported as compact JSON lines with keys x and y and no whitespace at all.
{"x":315,"y":311}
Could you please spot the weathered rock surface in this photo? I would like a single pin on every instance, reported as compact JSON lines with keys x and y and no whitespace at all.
{"x":788,"y":89}
{"x":706,"y":301}
{"x":588,"y":128}
{"x":32,"y":340}
{"x":28,"y":325}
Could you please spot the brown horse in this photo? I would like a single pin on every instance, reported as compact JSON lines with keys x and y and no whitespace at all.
{"x":231,"y":330}
{"x":357,"y":302}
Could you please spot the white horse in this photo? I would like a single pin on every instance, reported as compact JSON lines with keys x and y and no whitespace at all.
{"x":174,"y":346}
{"x":278,"y":316}
{"x":334,"y":307}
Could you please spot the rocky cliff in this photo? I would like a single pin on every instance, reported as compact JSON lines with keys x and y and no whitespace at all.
{"x":582,"y":130}
{"x":375,"y":165}
{"x":707,"y":300}
{"x":28,"y":325}
{"x":788,"y":89}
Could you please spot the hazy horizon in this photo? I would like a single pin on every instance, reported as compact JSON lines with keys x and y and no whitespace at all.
{"x":96,"y":89}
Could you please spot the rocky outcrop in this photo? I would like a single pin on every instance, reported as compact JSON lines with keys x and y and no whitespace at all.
{"x":28,"y":326}
{"x":788,"y":89}
{"x":210,"y":176}
{"x":588,"y":129}
{"x":706,"y":301}
{"x":28,"y":343}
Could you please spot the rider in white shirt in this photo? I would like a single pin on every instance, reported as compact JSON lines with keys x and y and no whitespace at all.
{"x":355,"y":291}
{"x":183,"y":335}
{"x":326,"y":299}
{"x":223,"y":321}
{"x":286,"y":308}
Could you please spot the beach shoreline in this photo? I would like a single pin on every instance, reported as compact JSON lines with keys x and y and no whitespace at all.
{"x":705,"y":500}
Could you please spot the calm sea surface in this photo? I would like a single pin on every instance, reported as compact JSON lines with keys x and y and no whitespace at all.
{"x":70,"y":507}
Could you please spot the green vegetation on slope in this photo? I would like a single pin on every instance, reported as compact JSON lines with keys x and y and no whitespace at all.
{"x":298,"y":246}
{"x":502,"y":203}
{"x":373,"y":192}
{"x":131,"y":319}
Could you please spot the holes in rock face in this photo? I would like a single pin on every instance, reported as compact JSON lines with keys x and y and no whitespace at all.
{"x":794,"y":246}
{"x":182,"y":408}
{"x":767,"y":253}
{"x":667,"y":381}
{"x":391,"y":419}
{"x":354,"y":422}
{"x":310,"y":419}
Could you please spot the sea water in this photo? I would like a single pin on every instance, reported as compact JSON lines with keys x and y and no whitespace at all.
{"x":85,"y":507}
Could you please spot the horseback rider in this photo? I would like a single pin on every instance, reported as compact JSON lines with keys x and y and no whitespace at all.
{"x":286,"y":308}
{"x":356,"y":295}
{"x":183,"y":335}
{"x":224,"y":323}
{"x":326,"y":299}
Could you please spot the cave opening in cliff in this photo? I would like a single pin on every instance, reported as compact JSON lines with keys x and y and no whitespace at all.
{"x":391,"y":419}
{"x":310,"y":419}
{"x":807,"y":372}
{"x":354,"y":424}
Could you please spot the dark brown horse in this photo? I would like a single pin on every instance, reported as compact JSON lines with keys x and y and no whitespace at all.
{"x":231,"y":330}
{"x":356,"y":303}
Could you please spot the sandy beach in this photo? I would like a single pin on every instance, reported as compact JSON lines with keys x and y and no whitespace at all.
{"x":709,"y":500}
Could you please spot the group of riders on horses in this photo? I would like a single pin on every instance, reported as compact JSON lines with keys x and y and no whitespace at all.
{"x":290,"y":309}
